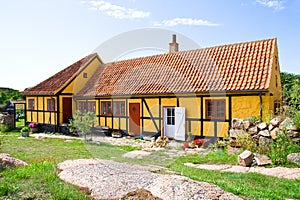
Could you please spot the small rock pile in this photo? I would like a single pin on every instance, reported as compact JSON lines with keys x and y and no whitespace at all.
{"x":262,"y":132}
{"x":248,"y":159}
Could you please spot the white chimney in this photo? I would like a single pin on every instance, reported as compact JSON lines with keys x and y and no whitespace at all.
{"x":173,"y":46}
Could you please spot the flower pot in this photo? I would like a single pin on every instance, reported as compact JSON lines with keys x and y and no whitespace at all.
{"x":25,"y":134}
{"x":34,"y":130}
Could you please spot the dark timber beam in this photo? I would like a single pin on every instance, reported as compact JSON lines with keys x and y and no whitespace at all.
{"x":150,"y":113}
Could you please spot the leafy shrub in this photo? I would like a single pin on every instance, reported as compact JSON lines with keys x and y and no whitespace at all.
{"x":83,"y":122}
{"x":246,"y":142}
{"x":281,"y":147}
{"x":4,"y":128}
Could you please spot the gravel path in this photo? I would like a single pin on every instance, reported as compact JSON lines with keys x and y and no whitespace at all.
{"x":108,"y":179}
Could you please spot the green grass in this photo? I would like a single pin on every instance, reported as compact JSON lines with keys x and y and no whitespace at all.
{"x":247,"y":185}
{"x":20,"y":122}
{"x":39,"y":179}
{"x":215,"y":157}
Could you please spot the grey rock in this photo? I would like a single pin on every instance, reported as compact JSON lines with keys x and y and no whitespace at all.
{"x":262,"y":160}
{"x":287,"y":123}
{"x":264,"y":133}
{"x":136,"y":154}
{"x":276,"y":121}
{"x":262,"y":126}
{"x":297,"y":140}
{"x":245,"y":159}
{"x":293,"y":134}
{"x":237,"y":123}
{"x":274,"y":133}
{"x":294,"y":157}
{"x":247,"y":124}
{"x":253,"y":130}
{"x":7,"y":160}
{"x":271,"y":127}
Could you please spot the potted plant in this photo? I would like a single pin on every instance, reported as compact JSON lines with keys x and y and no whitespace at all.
{"x":220,"y":144}
{"x":25,"y":131}
{"x":33,"y":127}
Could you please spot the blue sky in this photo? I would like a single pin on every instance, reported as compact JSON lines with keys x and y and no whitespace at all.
{"x":39,"y":38}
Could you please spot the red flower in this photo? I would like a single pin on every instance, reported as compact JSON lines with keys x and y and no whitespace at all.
{"x":198,"y":142}
{"x":185,"y":145}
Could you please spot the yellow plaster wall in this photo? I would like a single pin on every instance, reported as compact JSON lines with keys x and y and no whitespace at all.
{"x":80,"y":82}
{"x":153,"y":105}
{"x":275,"y":90}
{"x":195,"y":127}
{"x":168,"y":102}
{"x":192,"y":107}
{"x":208,"y":129}
{"x":246,"y":106}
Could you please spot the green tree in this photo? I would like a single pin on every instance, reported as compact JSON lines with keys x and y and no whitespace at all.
{"x":287,"y":82}
{"x":10,"y":94}
{"x":291,"y":93}
{"x":83,"y":122}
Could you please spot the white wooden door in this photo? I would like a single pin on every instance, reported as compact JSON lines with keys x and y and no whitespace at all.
{"x":169,"y":122}
{"x":179,"y":123}
{"x":174,"y":122}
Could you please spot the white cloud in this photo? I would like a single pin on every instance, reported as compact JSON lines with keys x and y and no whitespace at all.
{"x":276,"y":5}
{"x":116,"y":11}
{"x":185,"y":21}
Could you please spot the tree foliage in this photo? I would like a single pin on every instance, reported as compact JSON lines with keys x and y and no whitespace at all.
{"x":291,"y":92}
{"x":83,"y":122}
{"x":287,"y":82}
{"x":10,"y":94}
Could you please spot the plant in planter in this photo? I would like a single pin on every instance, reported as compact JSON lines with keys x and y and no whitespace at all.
{"x":220,"y":144}
{"x":34,"y":127}
{"x":116,"y":134}
{"x":197,"y":143}
{"x":25,"y":131}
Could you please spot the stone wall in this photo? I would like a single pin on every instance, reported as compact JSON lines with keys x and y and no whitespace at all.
{"x":262,"y":132}
{"x":7,"y":119}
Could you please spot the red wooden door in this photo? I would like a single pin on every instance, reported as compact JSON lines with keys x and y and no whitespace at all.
{"x":134,"y":118}
{"x":67,"y":109}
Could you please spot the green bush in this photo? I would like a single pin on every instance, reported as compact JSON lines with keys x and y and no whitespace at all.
{"x":246,"y":142}
{"x":4,"y":128}
{"x":281,"y":147}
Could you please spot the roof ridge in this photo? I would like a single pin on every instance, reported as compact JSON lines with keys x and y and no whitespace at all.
{"x":191,"y":50}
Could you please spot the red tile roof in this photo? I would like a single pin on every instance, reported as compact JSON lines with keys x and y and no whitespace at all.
{"x":235,"y":67}
{"x":55,"y":82}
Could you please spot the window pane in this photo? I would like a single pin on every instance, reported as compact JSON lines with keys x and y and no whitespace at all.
{"x":106,"y":108}
{"x":169,"y":121}
{"x":169,"y":112}
{"x":210,"y":108}
{"x":173,"y":120}
{"x":221,"y":109}
{"x":122,"y":108}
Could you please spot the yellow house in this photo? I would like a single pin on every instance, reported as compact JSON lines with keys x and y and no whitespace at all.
{"x":198,"y":91}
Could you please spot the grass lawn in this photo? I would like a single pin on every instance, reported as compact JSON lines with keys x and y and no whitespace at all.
{"x":247,"y":185}
{"x":39,"y":179}
{"x":20,"y":122}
